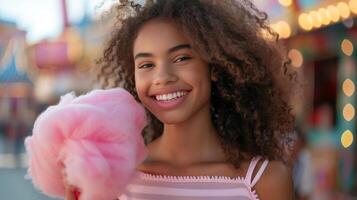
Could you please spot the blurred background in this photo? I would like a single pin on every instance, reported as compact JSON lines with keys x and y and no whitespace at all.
{"x":47,"y":48}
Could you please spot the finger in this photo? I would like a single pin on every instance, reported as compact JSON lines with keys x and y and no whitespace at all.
{"x":70,"y":192}
{"x":76,"y":194}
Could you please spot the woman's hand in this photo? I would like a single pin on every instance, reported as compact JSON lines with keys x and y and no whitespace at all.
{"x":72,"y":192}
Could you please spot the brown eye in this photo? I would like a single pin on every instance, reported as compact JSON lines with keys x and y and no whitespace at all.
{"x":183,"y":58}
{"x":146,"y":66}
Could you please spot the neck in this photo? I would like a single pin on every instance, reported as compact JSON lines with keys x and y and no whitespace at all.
{"x":192,"y":141}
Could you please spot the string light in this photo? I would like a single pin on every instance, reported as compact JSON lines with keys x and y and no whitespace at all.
{"x":305,"y":21}
{"x":343,"y":9}
{"x":296,"y":58}
{"x":324,"y":15}
{"x":285,"y":29}
{"x":282,"y":28}
{"x":347,"y":47}
{"x":316,"y":19}
{"x":285,"y":3}
{"x":334,"y":13}
{"x":353,"y":6}
{"x":347,"y":139}
{"x":348,"y":112}
{"x":348,"y":87}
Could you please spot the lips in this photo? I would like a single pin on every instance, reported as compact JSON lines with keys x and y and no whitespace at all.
{"x":168,"y":91}
{"x":172,"y":103}
{"x":171,"y":96}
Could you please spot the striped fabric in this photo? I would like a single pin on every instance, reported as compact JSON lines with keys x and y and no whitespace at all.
{"x":162,"y":187}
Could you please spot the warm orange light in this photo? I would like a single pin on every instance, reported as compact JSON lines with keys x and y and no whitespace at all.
{"x":334,"y":13}
{"x":353,"y":6}
{"x":316,"y":19}
{"x":347,"y":47}
{"x":325,"y":16}
{"x":285,"y":3}
{"x":343,"y":9}
{"x":275,"y":28}
{"x":348,"y":87}
{"x":347,"y":139}
{"x":282,"y":28}
{"x":348,"y":112}
{"x":296,"y":57}
{"x":285,"y":30}
{"x":305,"y":21}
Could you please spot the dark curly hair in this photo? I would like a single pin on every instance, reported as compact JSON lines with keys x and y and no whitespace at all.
{"x":250,"y":91}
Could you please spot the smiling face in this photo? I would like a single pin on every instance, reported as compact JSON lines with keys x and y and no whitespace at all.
{"x":171,"y":79}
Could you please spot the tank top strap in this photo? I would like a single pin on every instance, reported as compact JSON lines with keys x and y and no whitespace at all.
{"x":248,"y":178}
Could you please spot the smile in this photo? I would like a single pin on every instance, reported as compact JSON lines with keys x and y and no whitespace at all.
{"x":170,"y":96}
{"x":171,"y":100}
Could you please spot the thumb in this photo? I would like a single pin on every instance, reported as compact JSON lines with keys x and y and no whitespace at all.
{"x":71,"y":192}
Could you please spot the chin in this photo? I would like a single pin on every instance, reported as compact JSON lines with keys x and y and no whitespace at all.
{"x":172,"y":118}
{"x":172,"y":121}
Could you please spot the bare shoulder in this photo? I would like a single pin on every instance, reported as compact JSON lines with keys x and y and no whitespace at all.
{"x":276,"y":182}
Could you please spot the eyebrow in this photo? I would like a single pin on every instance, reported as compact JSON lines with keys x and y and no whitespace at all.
{"x":171,"y":50}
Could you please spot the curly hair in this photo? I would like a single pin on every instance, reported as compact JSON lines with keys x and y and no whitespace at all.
{"x":250,"y":92}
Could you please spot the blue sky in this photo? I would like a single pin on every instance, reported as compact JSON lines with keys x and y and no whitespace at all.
{"x":43,"y":19}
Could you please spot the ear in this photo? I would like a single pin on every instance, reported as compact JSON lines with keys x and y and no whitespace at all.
{"x":214,"y":76}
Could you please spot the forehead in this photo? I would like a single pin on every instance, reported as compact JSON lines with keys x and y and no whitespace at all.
{"x":158,"y":35}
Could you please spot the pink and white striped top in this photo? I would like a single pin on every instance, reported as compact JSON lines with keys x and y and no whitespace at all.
{"x":162,"y":187}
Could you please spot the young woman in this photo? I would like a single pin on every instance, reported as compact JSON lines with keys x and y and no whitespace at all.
{"x":214,"y":80}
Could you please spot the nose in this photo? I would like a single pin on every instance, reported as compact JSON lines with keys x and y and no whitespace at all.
{"x":164,"y":75}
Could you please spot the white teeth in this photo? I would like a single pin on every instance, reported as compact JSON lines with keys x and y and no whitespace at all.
{"x":167,"y":97}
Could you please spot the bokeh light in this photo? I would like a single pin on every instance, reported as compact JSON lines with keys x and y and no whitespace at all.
{"x":353,"y":6}
{"x":305,"y":22}
{"x":324,"y":15}
{"x":343,"y":9}
{"x":282,"y":28}
{"x":296,"y":58}
{"x":285,"y":3}
{"x":348,"y":87}
{"x":347,"y":47}
{"x":347,"y":139}
{"x":348,"y":112}
{"x":316,"y":19}
{"x":334,"y":13}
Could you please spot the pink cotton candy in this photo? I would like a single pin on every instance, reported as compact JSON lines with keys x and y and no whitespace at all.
{"x":96,"y":136}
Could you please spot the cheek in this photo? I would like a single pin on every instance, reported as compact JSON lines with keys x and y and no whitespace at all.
{"x":141,"y":86}
{"x":205,"y":88}
{"x":200,"y":77}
